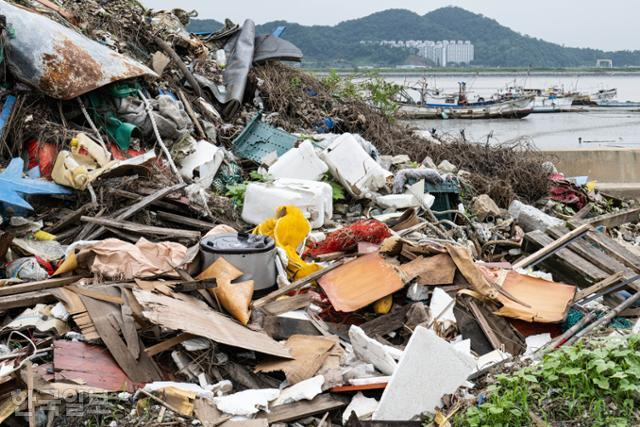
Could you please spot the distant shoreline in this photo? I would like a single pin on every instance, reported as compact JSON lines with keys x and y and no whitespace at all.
{"x":484,"y":71}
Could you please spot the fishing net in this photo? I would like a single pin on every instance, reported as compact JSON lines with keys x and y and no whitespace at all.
{"x":346,"y":239}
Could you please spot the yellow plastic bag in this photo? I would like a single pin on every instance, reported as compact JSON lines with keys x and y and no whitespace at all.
{"x":289,"y":229}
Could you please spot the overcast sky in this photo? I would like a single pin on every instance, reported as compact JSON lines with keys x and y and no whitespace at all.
{"x":609,"y":25}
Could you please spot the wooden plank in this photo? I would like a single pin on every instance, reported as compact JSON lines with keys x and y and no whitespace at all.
{"x":288,"y":304}
{"x":552,"y":247}
{"x":281,"y":328}
{"x":96,"y":295}
{"x":167,"y":344}
{"x":26,"y":299}
{"x":603,"y":284}
{"x":37,"y":286}
{"x":143,"y":229}
{"x":613,"y":219}
{"x":566,"y":265}
{"x":142,"y":370}
{"x":144,"y":202}
{"x":306,"y":408}
{"x":91,"y":363}
{"x":198,"y":319}
{"x":297,"y":284}
{"x":582,"y":213}
{"x":616,"y":250}
{"x":382,"y":325}
{"x":185,"y":220}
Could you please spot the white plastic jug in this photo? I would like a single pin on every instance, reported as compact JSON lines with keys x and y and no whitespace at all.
{"x":299,"y":163}
{"x":262,"y":199}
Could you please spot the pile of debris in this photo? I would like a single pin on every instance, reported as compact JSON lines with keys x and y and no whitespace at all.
{"x":204,"y":235}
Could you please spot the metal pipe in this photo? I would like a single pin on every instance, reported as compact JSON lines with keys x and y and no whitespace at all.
{"x":604,"y":320}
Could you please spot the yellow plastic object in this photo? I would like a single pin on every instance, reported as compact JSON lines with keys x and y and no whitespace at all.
{"x":43,"y":235}
{"x":383,"y":305}
{"x":70,"y":263}
{"x":289,"y":229}
{"x":591,"y":185}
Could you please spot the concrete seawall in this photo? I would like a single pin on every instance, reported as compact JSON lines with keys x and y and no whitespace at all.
{"x":616,"y":170}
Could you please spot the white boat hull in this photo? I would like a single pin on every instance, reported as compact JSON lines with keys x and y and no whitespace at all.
{"x":551,"y":104}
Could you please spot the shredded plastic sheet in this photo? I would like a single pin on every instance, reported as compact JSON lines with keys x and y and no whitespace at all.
{"x":347,"y":238}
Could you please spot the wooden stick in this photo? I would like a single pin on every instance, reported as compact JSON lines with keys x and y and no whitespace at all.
{"x":167,"y":344}
{"x":604,"y":320}
{"x":143,"y":229}
{"x":144,"y":202}
{"x":31,"y":403}
{"x":603,"y":284}
{"x":191,"y":113}
{"x":548,"y":250}
{"x":297,"y":284}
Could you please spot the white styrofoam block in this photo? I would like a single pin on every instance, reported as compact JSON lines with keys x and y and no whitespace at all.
{"x":247,"y":402}
{"x":371,"y":351}
{"x":350,"y":165}
{"x":362,"y":406}
{"x":429,"y":369}
{"x":304,"y":390}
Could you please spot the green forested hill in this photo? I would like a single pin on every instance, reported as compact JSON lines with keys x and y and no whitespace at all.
{"x":495,"y":45}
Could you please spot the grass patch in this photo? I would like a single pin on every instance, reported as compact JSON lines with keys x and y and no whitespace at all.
{"x":594,"y":384}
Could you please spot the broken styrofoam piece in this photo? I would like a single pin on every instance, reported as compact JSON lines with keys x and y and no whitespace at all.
{"x":262,"y":199}
{"x":531,"y":218}
{"x":196,"y":344}
{"x":463,"y":347}
{"x":372,"y":380}
{"x":304,"y":390}
{"x":206,"y":159}
{"x":417,"y":292}
{"x":360,"y":370}
{"x":441,"y":307}
{"x":426,"y":200}
{"x":371,"y":351}
{"x":350,"y":165}
{"x":396,"y":353}
{"x":247,"y":402}
{"x":220,"y":388}
{"x":364,"y":407}
{"x":535,"y":342}
{"x":299,"y":163}
{"x":404,"y":201}
{"x":429,"y":369}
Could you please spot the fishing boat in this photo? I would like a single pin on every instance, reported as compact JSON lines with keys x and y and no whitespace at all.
{"x":551,"y":100}
{"x":512,"y":109}
{"x":458,"y":106}
{"x":602,"y":95}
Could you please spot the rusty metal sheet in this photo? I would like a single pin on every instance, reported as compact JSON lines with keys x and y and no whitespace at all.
{"x":59,"y":61}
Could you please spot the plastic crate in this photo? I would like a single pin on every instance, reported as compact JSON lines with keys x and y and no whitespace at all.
{"x":447,"y":197}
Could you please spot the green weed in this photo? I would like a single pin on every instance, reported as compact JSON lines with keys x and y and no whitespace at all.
{"x":597,"y":384}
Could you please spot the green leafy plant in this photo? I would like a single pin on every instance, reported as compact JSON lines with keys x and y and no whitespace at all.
{"x":597,"y":384}
{"x":337,"y":191}
{"x":236,"y":193}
